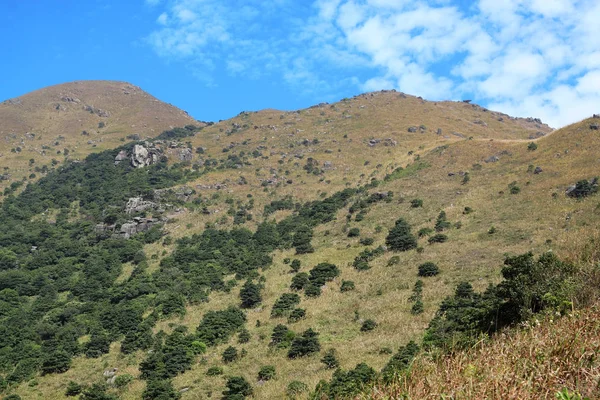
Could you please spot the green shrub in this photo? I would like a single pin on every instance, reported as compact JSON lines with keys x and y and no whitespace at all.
{"x":237,"y":388}
{"x":368,"y":325}
{"x":123,"y":380}
{"x":400,"y":238}
{"x":323,"y":273}
{"x":244,"y":336}
{"x":348,"y":384}
{"x":466,"y":178}
{"x":416,"y":203}
{"x":438,"y":238}
{"x":305,"y":344}
{"x":367,"y":241}
{"x":300,"y":281}
{"x":362,"y":265}
{"x":295,"y":265}
{"x":532,"y":146}
{"x":296,"y":388}
{"x":266,"y":373}
{"x":250,"y":295}
{"x":428,"y":269}
{"x":230,"y":354}
{"x":218,"y":326}
{"x":417,"y":308}
{"x":442,"y":223}
{"x":313,"y":290}
{"x":515,"y":189}
{"x":399,"y":361}
{"x":73,"y":389}
{"x":285,"y":304}
{"x":467,"y":210}
{"x":330,"y":360}
{"x":347,"y":286}
{"x":57,"y":361}
{"x":354,"y":232}
{"x":296,"y":315}
{"x":583,"y":188}
{"x":424,"y":232}
{"x":214,"y":371}
{"x":282,"y":336}
{"x":394,"y":260}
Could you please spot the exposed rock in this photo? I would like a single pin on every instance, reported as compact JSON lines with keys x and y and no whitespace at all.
{"x":4,"y":177}
{"x":111,"y":381}
{"x":142,"y":157}
{"x":30,"y":135}
{"x":594,"y":127}
{"x":413,"y":129}
{"x":138,"y":204}
{"x":538,"y":170}
{"x":439,"y":131}
{"x":109,"y":373}
{"x":596,"y":116}
{"x":492,"y":159}
{"x":480,"y":122}
{"x":138,"y":225}
{"x":97,"y":111}
{"x":327,"y":165}
{"x":185,"y":154}
{"x":70,"y":99}
{"x":120,"y":157}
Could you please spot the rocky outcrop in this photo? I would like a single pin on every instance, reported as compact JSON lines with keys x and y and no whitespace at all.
{"x":137,"y":225}
{"x":122,"y":156}
{"x":138,"y":204}
{"x":185,"y":154}
{"x":142,"y":156}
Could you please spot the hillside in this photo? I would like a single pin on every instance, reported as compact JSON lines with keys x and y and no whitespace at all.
{"x":82,"y":117}
{"x":252,"y":195}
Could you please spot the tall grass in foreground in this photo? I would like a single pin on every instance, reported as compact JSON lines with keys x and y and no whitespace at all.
{"x":535,"y":362}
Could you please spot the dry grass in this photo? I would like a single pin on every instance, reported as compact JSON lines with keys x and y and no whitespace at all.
{"x":533,"y":362}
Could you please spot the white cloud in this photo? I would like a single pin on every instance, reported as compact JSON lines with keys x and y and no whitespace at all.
{"x":529,"y":57}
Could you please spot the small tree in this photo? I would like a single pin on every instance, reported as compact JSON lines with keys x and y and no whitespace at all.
{"x":354,"y":232}
{"x":266,"y":373}
{"x":428,"y":269}
{"x":330,"y":360}
{"x":250,"y":295}
{"x":230,"y":354}
{"x":400,"y":238}
{"x":305,"y":344}
{"x":237,"y":388}
{"x":347,"y":286}
{"x":73,"y":389}
{"x":299,"y":281}
{"x":244,"y":336}
{"x":368,"y":325}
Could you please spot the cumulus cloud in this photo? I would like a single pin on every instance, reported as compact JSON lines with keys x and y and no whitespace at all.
{"x":527,"y":57}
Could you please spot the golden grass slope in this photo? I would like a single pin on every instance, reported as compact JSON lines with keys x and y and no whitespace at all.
{"x":46,"y":121}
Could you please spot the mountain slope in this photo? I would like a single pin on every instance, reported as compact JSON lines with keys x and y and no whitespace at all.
{"x":264,"y":166}
{"x":82,"y":117}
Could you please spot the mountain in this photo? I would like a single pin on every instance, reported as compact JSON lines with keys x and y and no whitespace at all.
{"x":82,"y":117}
{"x":156,"y":266}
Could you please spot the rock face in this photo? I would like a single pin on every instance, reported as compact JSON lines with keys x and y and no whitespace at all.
{"x":594,"y":127}
{"x":182,"y":193}
{"x":185,"y":154}
{"x":142,"y":157}
{"x":137,"y":225}
{"x":120,"y":157}
{"x":492,"y":159}
{"x":138,"y":204}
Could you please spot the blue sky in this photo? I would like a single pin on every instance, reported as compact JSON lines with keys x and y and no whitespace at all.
{"x":215,"y":58}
